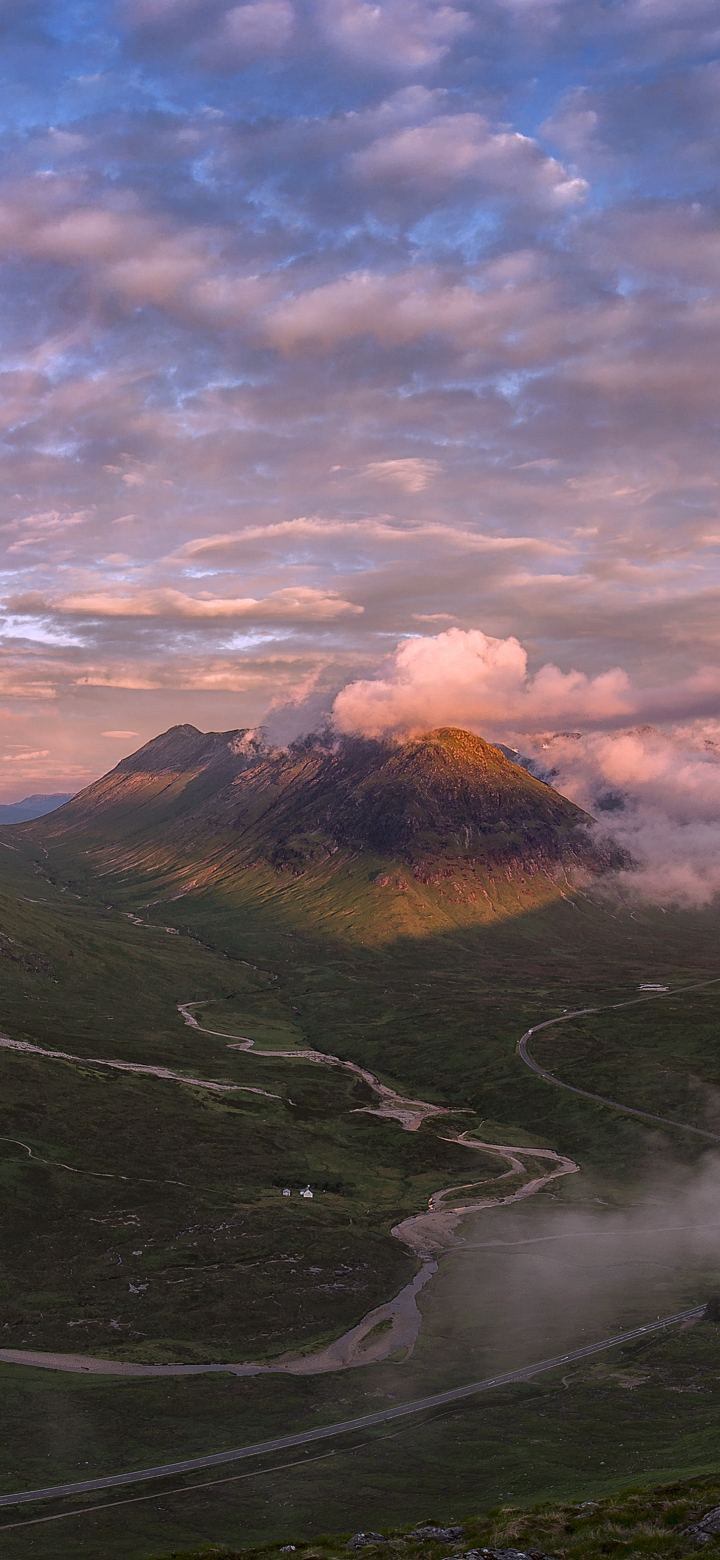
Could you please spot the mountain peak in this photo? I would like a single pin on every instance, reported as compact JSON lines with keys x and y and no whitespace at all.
{"x":443,"y":801}
{"x":179,"y":748}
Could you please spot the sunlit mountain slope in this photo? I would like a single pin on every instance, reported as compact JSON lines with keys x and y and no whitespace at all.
{"x":444,"y":823}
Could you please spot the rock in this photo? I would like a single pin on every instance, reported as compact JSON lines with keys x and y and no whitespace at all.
{"x":446,"y":1534}
{"x":505,"y":1554}
{"x":708,"y":1527}
{"x":361,"y":1539}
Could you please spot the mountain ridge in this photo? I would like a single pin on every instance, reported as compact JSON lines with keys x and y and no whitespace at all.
{"x":191,"y":811}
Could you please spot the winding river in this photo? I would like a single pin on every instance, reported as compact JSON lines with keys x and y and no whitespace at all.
{"x":388,"y":1330}
{"x":391,"y":1329}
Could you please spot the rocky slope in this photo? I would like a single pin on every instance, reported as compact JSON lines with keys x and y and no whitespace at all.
{"x":441,"y":801}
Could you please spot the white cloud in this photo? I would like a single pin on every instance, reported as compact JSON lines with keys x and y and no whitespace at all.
{"x":658,"y":793}
{"x":467,"y":678}
{"x":412,"y":474}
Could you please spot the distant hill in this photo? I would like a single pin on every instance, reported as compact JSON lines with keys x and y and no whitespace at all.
{"x":35,"y":806}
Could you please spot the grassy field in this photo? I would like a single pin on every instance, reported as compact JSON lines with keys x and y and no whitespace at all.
{"x":638,"y":1415}
{"x":221,"y":1267}
{"x":664,"y":1054}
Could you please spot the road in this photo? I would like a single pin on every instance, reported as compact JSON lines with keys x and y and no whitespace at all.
{"x":419,"y":1405}
{"x":365,"y":1422}
{"x":425,"y":1233}
{"x":627,"y":1110}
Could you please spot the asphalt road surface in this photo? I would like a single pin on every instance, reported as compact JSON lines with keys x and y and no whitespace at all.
{"x":628,"y":1110}
{"x":366,"y":1422}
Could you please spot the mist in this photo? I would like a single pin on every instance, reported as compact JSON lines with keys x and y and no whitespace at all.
{"x":540,"y":1277}
{"x":656,"y":792}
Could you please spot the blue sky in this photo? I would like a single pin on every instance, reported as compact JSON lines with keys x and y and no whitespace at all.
{"x":331,"y":327}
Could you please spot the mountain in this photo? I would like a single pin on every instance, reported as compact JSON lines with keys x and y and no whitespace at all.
{"x":195,"y":812}
{"x":170,"y":777}
{"x":35,"y":806}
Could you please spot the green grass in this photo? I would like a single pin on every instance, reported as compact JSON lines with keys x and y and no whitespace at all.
{"x":663,"y":1055}
{"x":634,"y":1417}
{"x":433,"y":1000}
{"x":631,"y":1523}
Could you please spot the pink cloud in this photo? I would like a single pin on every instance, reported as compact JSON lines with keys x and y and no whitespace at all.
{"x":657,"y":792}
{"x":512,"y":308}
{"x":455,"y":147}
{"x":130,"y":255}
{"x":300,"y":603}
{"x":466,"y":678}
{"x":218,"y":34}
{"x":400,"y":35}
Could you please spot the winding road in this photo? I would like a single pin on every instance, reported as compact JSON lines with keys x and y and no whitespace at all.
{"x":608,"y":1007}
{"x":365,"y":1422}
{"x":426,"y":1233}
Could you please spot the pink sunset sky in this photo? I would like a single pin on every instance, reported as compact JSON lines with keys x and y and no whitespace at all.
{"x":357,"y":358}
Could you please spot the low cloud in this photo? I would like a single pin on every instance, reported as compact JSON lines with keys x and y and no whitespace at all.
{"x":588,"y":1265}
{"x":656,"y":792}
{"x":467,"y":678}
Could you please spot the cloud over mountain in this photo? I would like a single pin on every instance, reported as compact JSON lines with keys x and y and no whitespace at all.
{"x":326,"y":324}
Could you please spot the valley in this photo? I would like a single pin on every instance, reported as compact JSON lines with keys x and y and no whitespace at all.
{"x":193,"y":1027}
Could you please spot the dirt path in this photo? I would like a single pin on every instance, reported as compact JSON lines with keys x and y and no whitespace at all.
{"x":425,"y":1233}
{"x":433,"y":1231}
{"x":410,"y":1113}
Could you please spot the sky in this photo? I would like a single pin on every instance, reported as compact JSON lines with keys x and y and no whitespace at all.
{"x":359,"y":358}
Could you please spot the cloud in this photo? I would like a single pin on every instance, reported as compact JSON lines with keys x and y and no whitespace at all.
{"x":272,"y":267}
{"x":119,"y":733}
{"x":452,"y":148}
{"x":20,"y":758}
{"x":513,"y":310}
{"x":658,"y":793}
{"x":412,"y":473}
{"x":466,"y":678}
{"x":402,"y":36}
{"x":136,"y":257}
{"x":469,"y":679}
{"x":300,"y":604}
{"x":218,"y":35}
{"x":321,"y":532}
